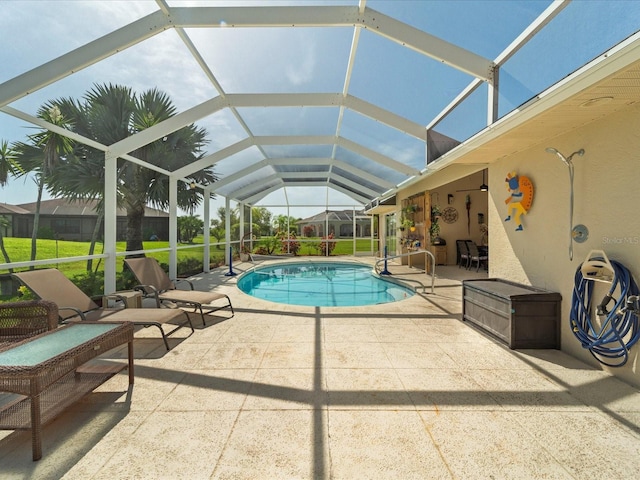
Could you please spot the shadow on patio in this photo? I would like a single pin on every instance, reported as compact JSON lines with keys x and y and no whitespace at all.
{"x":401,"y":390}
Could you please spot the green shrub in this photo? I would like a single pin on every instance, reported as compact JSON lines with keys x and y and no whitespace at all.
{"x":125,"y":280}
{"x":189,"y":266}
{"x":186,"y":266}
{"x":91,"y":283}
{"x":271,"y":245}
{"x":25,"y":294}
{"x":46,"y":233}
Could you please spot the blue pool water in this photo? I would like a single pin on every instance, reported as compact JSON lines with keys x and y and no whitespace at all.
{"x":321,"y":284}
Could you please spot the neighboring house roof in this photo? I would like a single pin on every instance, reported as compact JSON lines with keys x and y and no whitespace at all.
{"x":334,"y":215}
{"x":63,"y":207}
{"x":12,"y":209}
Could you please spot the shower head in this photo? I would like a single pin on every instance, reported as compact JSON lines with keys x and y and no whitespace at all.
{"x":579,"y":153}
{"x":556,"y":152}
{"x":566,"y":160}
{"x":568,"y":163}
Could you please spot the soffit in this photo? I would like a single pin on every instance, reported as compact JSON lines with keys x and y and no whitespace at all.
{"x":615,"y":92}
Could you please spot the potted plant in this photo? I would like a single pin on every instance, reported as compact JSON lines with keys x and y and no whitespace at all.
{"x":434,"y":232}
{"x":406,"y":222}
{"x":435,"y":212}
{"x":411,"y":208}
{"x":434,"y":228}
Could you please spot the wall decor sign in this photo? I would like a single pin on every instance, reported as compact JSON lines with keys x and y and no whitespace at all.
{"x":449,"y":215}
{"x":520,"y":199}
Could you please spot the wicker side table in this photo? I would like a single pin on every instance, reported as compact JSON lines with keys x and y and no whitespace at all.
{"x":22,"y":320}
{"x":46,"y":373}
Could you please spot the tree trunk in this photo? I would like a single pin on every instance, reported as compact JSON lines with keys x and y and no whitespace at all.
{"x":4,"y":250}
{"x":94,"y":238}
{"x":135,"y":214}
{"x":36,"y":222}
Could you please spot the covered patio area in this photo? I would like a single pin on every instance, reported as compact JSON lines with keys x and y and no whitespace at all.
{"x":402,"y":390}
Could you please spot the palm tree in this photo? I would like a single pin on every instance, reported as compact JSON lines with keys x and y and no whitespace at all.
{"x":261,"y":220}
{"x":189,"y":226}
{"x":8,"y":166}
{"x":8,"y":163}
{"x":110,"y":113}
{"x":281,"y":221}
{"x":41,"y":156}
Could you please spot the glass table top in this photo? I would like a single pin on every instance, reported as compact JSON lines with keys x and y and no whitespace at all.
{"x":51,"y":345}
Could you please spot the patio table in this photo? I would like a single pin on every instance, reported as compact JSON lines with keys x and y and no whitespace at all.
{"x":45,"y":374}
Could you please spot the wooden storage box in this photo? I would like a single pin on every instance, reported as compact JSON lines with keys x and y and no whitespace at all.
{"x":440,"y":254}
{"x":520,"y":315}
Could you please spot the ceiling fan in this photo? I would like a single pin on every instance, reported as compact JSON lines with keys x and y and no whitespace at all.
{"x":483,"y":188}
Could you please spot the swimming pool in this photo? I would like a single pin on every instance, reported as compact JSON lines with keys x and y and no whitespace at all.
{"x":321,"y":284}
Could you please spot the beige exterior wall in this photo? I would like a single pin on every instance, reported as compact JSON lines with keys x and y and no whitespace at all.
{"x":607,"y":201}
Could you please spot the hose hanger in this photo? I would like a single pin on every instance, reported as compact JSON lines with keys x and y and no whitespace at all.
{"x":613,"y":331}
{"x":597,"y":267}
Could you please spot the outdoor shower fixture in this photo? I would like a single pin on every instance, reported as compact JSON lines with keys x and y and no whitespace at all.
{"x":579,"y":233}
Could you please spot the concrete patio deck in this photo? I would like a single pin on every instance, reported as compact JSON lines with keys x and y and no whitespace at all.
{"x":403,"y":391}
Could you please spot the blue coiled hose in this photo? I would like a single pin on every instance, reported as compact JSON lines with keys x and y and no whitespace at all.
{"x":609,"y":343}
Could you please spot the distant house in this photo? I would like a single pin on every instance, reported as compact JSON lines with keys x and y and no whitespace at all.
{"x":9,"y":213}
{"x":340,"y":224}
{"x":75,"y":220}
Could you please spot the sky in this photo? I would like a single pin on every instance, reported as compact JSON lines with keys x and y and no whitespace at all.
{"x":309,"y":60}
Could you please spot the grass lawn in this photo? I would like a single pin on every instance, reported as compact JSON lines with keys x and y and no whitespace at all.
{"x":189,"y":259}
{"x":19,"y":250}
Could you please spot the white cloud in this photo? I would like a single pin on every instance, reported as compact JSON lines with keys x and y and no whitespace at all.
{"x":304,"y":71}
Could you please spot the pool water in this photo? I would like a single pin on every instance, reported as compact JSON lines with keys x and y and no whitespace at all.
{"x":321,"y":284}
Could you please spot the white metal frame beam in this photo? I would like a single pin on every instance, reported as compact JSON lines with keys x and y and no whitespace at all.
{"x":82,"y":57}
{"x":260,"y":195}
{"x":234,"y":101}
{"x":210,"y":160}
{"x":79,"y":138}
{"x":377,"y":157}
{"x":543,"y":19}
{"x":335,"y":16}
{"x":212,"y":17}
{"x":252,"y":188}
{"x":323,"y":178}
{"x":274,"y":162}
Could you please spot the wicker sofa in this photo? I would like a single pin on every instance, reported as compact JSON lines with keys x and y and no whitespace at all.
{"x":21,"y":320}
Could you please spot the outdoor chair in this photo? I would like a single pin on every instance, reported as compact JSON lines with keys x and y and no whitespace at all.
{"x":463,"y":253}
{"x":155,"y":283}
{"x":22,"y":320}
{"x":75,"y":305}
{"x":475,"y":256}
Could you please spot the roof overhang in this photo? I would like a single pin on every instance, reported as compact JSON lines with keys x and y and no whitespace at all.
{"x":607,"y":84}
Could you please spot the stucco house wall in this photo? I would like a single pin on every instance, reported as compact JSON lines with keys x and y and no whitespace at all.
{"x":607,"y":201}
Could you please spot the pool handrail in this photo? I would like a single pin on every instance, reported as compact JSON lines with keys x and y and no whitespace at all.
{"x":427,"y":253}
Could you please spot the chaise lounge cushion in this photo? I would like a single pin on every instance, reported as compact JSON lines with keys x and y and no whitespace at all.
{"x":154,"y":282}
{"x":75,"y":305}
